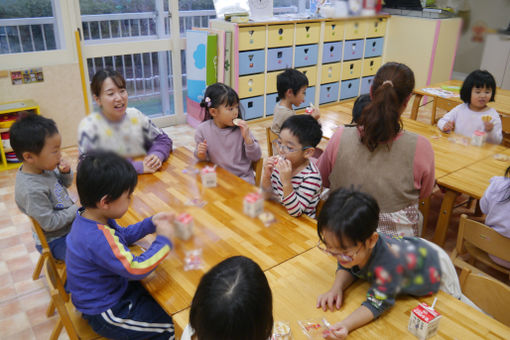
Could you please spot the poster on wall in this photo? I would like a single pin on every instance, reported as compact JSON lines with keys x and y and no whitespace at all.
{"x":29,"y":76}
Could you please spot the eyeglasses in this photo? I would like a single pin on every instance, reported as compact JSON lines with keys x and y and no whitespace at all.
{"x":283,"y":149}
{"x":345,"y":256}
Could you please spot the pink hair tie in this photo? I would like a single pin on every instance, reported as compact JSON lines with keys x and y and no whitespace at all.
{"x":207,"y":101}
{"x":388,"y":82}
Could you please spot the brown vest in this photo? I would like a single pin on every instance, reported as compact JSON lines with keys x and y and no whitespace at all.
{"x":386,"y":173}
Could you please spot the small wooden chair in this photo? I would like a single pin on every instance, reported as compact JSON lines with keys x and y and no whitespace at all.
{"x":76,"y":327}
{"x":271,"y":136}
{"x":491,"y":295}
{"x":258,"y":166}
{"x":505,"y":123}
{"x":478,"y":240}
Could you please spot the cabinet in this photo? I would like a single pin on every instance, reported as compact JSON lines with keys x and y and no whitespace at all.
{"x":339,"y":56}
{"x":8,"y":113}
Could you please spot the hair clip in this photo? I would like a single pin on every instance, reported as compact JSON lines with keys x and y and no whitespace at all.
{"x":388,"y":82}
{"x":207,"y":101}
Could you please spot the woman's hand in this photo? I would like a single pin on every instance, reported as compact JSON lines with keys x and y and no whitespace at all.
{"x":152,"y":163}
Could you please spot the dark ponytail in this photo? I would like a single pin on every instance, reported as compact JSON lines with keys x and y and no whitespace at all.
{"x":380,"y":120}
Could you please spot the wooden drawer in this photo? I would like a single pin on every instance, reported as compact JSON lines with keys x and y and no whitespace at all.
{"x":271,"y":81}
{"x":308,"y":33}
{"x":371,"y":65}
{"x":330,"y":73}
{"x":252,"y":62}
{"x":306,"y":55}
{"x":332,"y":52}
{"x":366,"y":84}
{"x":310,"y":73}
{"x":349,"y":89}
{"x":334,"y":31}
{"x":351,"y":69}
{"x":353,"y":49}
{"x":376,"y":27}
{"x":271,"y":101}
{"x":329,"y":93}
{"x":280,"y":35}
{"x":374,"y":47}
{"x":250,"y":86}
{"x":253,"y":107}
{"x":252,"y":38}
{"x":279,"y":58}
{"x":355,"y":29}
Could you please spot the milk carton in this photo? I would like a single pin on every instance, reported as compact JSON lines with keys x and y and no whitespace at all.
{"x":208,"y":175}
{"x":424,"y":321}
{"x":184,"y":226}
{"x":478,"y":138}
{"x":253,"y":204}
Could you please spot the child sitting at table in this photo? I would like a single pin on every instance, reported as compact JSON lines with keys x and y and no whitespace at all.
{"x":495,"y":203}
{"x":102,"y":272}
{"x":224,"y":139}
{"x":359,"y":105}
{"x":291,"y":177}
{"x":233,"y":301}
{"x":477,"y":90}
{"x":392,"y":265}
{"x":291,"y":85}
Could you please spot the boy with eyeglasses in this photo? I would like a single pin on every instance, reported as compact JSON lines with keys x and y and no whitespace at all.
{"x":290,"y":176}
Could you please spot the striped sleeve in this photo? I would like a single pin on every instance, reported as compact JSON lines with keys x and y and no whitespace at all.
{"x":306,"y":194}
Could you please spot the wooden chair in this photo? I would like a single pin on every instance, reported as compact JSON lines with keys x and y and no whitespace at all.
{"x":424,"y":206}
{"x":271,"y":136}
{"x":76,"y":327}
{"x":478,"y":240}
{"x":505,"y":122}
{"x":258,"y":166}
{"x":489,"y":294}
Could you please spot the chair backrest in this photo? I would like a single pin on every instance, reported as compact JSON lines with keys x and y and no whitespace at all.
{"x":483,"y":238}
{"x":491,"y":295}
{"x":258,"y":167}
{"x":40,"y":234}
{"x":505,"y":123}
{"x":271,"y":136}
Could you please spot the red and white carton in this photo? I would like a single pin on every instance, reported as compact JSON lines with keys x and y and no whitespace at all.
{"x":424,"y":321}
{"x":253,"y":204}
{"x":478,"y":138}
{"x":208,"y":175}
{"x":184,"y":226}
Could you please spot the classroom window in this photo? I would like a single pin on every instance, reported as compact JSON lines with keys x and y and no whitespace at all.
{"x":28,"y":26}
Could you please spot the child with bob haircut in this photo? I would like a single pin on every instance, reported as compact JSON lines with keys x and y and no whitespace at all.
{"x":224,"y":139}
{"x":124,"y":130}
{"x":233,"y":301}
{"x":102,"y":273}
{"x":291,"y":85}
{"x":477,"y":90}
{"x":40,"y":191}
{"x":392,"y":265}
{"x":291,"y":177}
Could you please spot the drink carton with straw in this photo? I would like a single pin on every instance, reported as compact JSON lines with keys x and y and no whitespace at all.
{"x":208,"y":175}
{"x":424,"y":321}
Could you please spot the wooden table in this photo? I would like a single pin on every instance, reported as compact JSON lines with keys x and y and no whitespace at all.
{"x":221,"y":229}
{"x":500,"y":104}
{"x":471,"y":180}
{"x":296,"y":284}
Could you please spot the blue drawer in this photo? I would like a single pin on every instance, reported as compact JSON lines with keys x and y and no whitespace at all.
{"x":271,"y":101}
{"x":251,"y":62}
{"x":309,"y":98}
{"x":353,"y":49}
{"x":329,"y":93}
{"x":332,"y":52}
{"x":253,"y":107}
{"x":279,"y":58}
{"x":306,"y":55}
{"x":374,"y":47}
{"x":366,"y":84}
{"x":349,"y":88}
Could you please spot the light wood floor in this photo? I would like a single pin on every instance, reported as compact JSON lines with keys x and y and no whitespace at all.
{"x":23,"y":302}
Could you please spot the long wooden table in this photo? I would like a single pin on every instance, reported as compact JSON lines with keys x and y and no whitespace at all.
{"x":221,"y":229}
{"x":501,"y":102}
{"x":471,"y":180}
{"x":296,"y":284}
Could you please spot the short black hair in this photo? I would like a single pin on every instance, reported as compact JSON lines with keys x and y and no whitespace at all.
{"x":233,"y":301}
{"x":290,"y":79}
{"x":480,"y":79}
{"x":306,"y":128}
{"x":29,"y":133}
{"x":349,"y":214}
{"x":360,"y":103}
{"x":103,"y":173}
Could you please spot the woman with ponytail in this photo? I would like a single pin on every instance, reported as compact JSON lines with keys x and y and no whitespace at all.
{"x":378,"y":157}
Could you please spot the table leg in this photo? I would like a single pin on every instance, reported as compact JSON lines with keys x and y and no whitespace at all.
{"x":444,"y":217}
{"x":416,"y":106}
{"x":433,"y":113}
{"x":424,"y":209}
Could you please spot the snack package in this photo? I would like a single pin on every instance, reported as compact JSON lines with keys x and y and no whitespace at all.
{"x":253,"y":204}
{"x":478,"y":138}
{"x":314,"y":329}
{"x":196,"y":202}
{"x":424,"y":321}
{"x":501,"y":157}
{"x":208,"y":176}
{"x":193,"y":259}
{"x":267,"y":218}
{"x":486,"y":118}
{"x":281,"y":331}
{"x":184,"y":226}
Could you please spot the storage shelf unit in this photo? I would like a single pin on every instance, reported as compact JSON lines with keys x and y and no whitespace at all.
{"x":339,"y":56}
{"x":9,"y":108}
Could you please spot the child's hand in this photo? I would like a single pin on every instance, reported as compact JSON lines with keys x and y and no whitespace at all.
{"x":269,"y":166}
{"x":449,"y":126}
{"x":202,"y":150}
{"x":337,"y":331}
{"x":331,"y":299}
{"x":245,"y":131}
{"x":152,"y":162}
{"x":488,"y":126}
{"x":164,"y":222}
{"x":284,"y":167}
{"x":316,"y":113}
{"x":64,"y":167}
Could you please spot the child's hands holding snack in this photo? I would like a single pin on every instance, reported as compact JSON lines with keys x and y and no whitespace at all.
{"x":269,"y":165}
{"x":449,"y":126}
{"x":488,"y":126}
{"x":245,"y":130}
{"x":164,"y":222}
{"x":337,"y":331}
{"x":202,"y":150}
{"x":284,"y":167}
{"x":63,"y":166}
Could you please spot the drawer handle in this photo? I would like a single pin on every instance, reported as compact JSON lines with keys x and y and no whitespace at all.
{"x":280,"y":31}
{"x":332,"y":48}
{"x":279,"y":54}
{"x":250,"y":104}
{"x":251,"y":32}
{"x":307,"y":28}
{"x":250,"y":56}
{"x":351,"y":66}
{"x":371,"y":63}
{"x":333,"y":27}
{"x":373,"y":44}
{"x":306,"y":50}
{"x":349,"y":86}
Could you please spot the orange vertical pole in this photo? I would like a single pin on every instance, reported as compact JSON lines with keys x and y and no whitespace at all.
{"x":82,"y":72}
